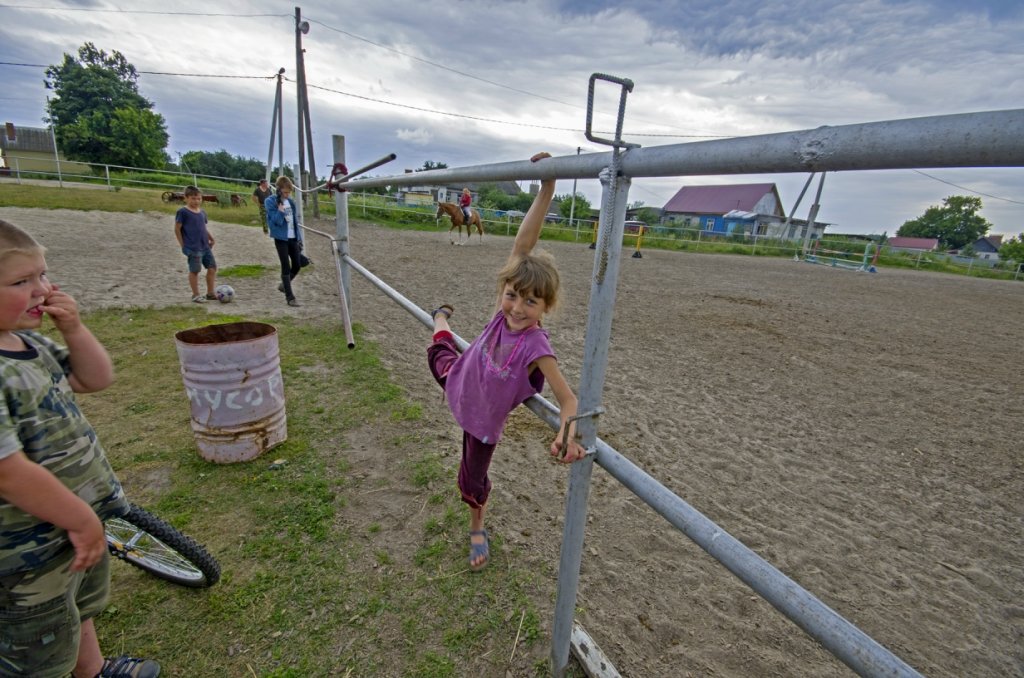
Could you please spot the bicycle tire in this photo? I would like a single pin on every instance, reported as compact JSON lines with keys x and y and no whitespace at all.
{"x":166,"y":196}
{"x":144,"y":541}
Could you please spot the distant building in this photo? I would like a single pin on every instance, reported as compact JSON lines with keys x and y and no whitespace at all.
{"x":30,"y":150}
{"x":906,"y":244}
{"x":753,"y":209}
{"x":433,"y":194}
{"x":987,"y":247}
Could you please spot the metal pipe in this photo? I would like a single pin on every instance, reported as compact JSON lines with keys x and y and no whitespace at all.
{"x":341,"y":226}
{"x":595,"y":361}
{"x":376,"y":163}
{"x":346,"y":318}
{"x":851,"y":645}
{"x":412,"y":308}
{"x":985,"y":139}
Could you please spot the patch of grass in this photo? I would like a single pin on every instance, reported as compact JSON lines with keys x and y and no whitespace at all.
{"x":242,"y":271}
{"x":303,"y":591}
{"x":427,"y":469}
{"x":128,"y":200}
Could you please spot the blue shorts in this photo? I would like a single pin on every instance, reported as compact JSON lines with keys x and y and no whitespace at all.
{"x":41,"y":612}
{"x":197,"y":257}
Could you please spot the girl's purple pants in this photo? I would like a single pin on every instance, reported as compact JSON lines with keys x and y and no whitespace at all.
{"x":474,"y":484}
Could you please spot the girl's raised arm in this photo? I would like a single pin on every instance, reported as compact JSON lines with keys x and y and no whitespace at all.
{"x":529,"y":231}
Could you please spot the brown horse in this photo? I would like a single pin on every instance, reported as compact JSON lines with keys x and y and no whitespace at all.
{"x":454,"y":213}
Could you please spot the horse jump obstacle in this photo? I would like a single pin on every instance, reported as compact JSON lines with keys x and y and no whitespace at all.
{"x":638,"y":237}
{"x":966,"y":140}
{"x":866,"y":264}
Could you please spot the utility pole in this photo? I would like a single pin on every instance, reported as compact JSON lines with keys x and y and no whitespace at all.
{"x":277,"y":129}
{"x":309,"y":139}
{"x":300,"y":28}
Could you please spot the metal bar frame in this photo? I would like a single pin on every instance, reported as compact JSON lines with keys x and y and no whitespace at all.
{"x":986,"y":139}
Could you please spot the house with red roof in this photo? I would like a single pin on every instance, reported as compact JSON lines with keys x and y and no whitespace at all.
{"x":753,"y":209}
{"x":907,"y":244}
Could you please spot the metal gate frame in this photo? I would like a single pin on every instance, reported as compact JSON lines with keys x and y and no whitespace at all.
{"x":983,"y":139}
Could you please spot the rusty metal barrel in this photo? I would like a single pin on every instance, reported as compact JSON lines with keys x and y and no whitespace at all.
{"x":232,"y":375}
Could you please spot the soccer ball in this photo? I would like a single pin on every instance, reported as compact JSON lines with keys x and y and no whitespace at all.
{"x":224,"y":293}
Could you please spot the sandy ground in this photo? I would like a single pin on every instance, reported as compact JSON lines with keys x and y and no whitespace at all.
{"x":860,"y":432}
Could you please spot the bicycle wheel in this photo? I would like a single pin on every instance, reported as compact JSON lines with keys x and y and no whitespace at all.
{"x":141,"y":539}
{"x":166,"y":196}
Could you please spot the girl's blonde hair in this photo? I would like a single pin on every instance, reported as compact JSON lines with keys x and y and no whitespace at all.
{"x":284,"y":182}
{"x":533,"y":274}
{"x":13,"y":241}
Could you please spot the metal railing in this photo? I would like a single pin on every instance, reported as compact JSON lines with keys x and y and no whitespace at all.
{"x":987,"y":139}
{"x":76,"y":172}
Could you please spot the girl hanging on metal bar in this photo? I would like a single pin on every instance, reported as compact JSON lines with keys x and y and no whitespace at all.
{"x":504,"y":366}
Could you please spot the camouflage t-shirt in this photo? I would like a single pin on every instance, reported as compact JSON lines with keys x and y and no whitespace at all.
{"x":39,"y":415}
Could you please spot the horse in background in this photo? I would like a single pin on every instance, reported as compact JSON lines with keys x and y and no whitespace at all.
{"x":454,"y":213}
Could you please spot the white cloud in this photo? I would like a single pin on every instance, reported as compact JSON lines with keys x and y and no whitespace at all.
{"x":418,"y":137}
{"x":701,"y":67}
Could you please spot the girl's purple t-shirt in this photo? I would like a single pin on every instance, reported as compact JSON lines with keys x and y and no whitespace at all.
{"x":491,"y":378}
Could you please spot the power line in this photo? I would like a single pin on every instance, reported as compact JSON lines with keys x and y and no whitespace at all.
{"x":482,"y":119}
{"x":141,"y":11}
{"x":187,"y":75}
{"x":392,"y":103}
{"x":970,"y":190}
{"x":362,"y":39}
{"x":437,"y":65}
{"x":491,"y":82}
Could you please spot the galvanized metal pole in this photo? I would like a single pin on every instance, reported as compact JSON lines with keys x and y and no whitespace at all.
{"x":595,"y":360}
{"x":839,"y":636}
{"x":341,"y":224}
{"x":851,"y":645}
{"x":572,"y":207}
{"x":987,"y":139}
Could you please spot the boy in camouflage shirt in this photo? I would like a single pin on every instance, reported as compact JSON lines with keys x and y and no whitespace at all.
{"x":55,"y":482}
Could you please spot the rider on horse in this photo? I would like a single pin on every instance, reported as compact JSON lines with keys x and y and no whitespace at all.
{"x":464,"y":200}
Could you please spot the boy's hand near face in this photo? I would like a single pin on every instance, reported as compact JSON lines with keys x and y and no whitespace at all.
{"x":63,"y":311}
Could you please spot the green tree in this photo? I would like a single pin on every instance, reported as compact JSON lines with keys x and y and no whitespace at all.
{"x":1013,"y":249}
{"x":955,"y":224}
{"x":223,"y":164}
{"x":489,"y":196}
{"x":649,"y":216}
{"x":580,"y":211}
{"x":431,"y":165}
{"x":98,"y":114}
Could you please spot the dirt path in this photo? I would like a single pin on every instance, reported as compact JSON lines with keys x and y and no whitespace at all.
{"x":861,"y":432}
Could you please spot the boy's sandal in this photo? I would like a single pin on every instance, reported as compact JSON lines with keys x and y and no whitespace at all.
{"x":445,"y":309}
{"x":211,"y":297}
{"x":199,"y":299}
{"x":477,"y":551}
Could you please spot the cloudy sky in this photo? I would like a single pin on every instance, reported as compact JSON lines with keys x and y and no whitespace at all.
{"x":467,"y":83}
